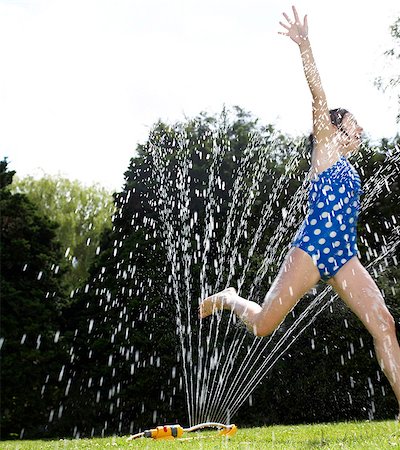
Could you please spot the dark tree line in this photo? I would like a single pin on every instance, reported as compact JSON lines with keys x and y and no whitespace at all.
{"x":31,"y":306}
{"x":108,"y":359}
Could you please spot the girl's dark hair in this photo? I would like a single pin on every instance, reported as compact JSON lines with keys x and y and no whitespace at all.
{"x":337,"y":116}
{"x":336,"y":119}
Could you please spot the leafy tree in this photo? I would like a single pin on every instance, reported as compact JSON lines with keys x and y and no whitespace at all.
{"x":81,"y":212}
{"x":31,"y":301}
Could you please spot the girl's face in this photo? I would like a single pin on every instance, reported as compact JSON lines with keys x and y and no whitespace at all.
{"x":352,"y":132}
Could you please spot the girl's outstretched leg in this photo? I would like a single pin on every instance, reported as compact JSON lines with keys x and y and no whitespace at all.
{"x":296,"y":277}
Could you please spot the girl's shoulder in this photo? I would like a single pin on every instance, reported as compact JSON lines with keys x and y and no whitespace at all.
{"x":322,"y":161}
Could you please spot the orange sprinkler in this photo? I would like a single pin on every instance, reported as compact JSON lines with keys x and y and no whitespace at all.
{"x":170,"y":432}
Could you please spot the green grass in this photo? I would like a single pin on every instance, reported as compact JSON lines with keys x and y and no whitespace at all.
{"x":352,"y":435}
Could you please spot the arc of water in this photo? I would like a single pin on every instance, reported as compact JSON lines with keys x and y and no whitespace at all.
{"x":224,"y":388}
{"x":266,"y":213}
{"x":233,"y":208}
{"x":230,"y":355}
{"x":166,"y":216}
{"x":218,"y":153}
{"x":254,"y":348}
{"x":293,"y":207}
{"x":237,"y":209}
{"x":241,"y":384}
{"x":215,"y":395}
{"x":244,"y":213}
{"x":184,"y":216}
{"x":172,"y":255}
{"x":375,"y":185}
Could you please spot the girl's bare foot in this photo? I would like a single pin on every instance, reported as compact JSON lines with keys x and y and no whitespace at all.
{"x":221,"y":300}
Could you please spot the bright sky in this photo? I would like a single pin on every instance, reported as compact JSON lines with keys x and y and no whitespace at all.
{"x":83,"y":81}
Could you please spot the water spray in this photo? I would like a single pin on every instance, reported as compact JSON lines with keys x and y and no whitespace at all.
{"x":170,"y":432}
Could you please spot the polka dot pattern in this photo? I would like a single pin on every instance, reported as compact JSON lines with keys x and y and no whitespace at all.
{"x":328,"y":233}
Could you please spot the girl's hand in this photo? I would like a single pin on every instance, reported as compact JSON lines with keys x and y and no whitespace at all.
{"x":297,"y":31}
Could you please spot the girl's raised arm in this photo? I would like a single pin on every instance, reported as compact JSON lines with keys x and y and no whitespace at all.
{"x":298,"y":32}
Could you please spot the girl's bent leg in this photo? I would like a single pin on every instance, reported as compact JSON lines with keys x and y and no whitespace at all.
{"x":359,"y":291}
{"x":296,"y":277}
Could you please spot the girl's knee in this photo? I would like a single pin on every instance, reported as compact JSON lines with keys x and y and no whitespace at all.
{"x":265,"y":324}
{"x":258,"y":325}
{"x":384,"y":324}
{"x":261,"y":330}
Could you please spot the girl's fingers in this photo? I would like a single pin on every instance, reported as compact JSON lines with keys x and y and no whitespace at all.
{"x":305,"y":21}
{"x":287,"y":17}
{"x":283,"y":34}
{"x":284,"y":26}
{"x":296,"y":16}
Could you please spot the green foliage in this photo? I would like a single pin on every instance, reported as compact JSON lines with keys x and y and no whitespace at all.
{"x":82,"y":214}
{"x":6,"y":176}
{"x":31,"y":301}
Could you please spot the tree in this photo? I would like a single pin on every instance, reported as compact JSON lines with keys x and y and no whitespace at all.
{"x":82,"y":214}
{"x":31,"y":301}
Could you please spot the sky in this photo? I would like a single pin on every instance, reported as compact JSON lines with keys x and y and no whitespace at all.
{"x":83,"y":81}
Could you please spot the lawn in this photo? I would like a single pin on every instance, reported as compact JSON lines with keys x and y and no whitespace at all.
{"x":352,"y":435}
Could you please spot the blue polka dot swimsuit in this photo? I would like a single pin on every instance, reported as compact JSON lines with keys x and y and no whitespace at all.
{"x":329,"y":231}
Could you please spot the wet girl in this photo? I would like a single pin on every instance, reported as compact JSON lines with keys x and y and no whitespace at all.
{"x":325,"y":245}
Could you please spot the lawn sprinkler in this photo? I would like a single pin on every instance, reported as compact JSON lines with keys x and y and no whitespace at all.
{"x":170,"y":432}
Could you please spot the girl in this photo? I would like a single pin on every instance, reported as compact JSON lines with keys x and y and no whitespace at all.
{"x":325,"y":244}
